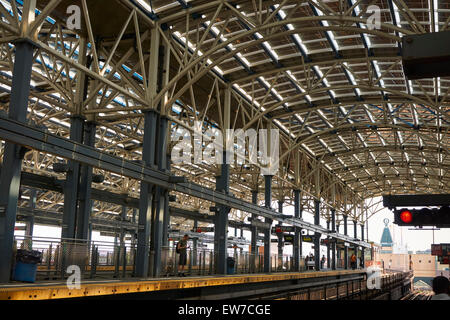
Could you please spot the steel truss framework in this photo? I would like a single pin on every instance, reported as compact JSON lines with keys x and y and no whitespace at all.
{"x":352,"y":126}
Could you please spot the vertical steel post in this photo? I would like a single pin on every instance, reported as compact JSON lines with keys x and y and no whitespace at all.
{"x":30,"y":223}
{"x":13,"y":155}
{"x":298,"y":232}
{"x":280,"y":238}
{"x":267,"y":232}
{"x":328,"y":247}
{"x":160,"y":193}
{"x":254,"y":237}
{"x":317,"y":235}
{"x":83,"y":203}
{"x":195,"y":245}
{"x":71,"y":184}
{"x":345,"y":247}
{"x":148,"y":157}
{"x":333,"y":244}
{"x":166,"y":218}
{"x":85,"y":188}
{"x":221,"y":220}
{"x":362,"y":249}
{"x":355,"y":234}
{"x":146,"y":196}
{"x":123,"y":218}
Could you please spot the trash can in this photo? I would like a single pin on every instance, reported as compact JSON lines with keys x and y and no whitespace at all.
{"x":230,"y":265}
{"x":26,"y":265}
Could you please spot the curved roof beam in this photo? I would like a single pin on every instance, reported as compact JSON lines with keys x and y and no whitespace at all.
{"x":321,"y":89}
{"x":228,"y":55}
{"x":353,"y":127}
{"x":387,"y":148}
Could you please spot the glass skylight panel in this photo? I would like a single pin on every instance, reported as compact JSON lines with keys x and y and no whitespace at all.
{"x":326,"y":24}
{"x":243,"y":59}
{"x":145,"y":5}
{"x":308,"y":149}
{"x":411,"y":88}
{"x":435,"y":14}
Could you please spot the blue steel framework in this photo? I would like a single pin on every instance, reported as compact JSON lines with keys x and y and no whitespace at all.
{"x":151,"y":95}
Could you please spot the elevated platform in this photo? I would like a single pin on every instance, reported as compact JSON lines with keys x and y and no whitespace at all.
{"x":59,"y":290}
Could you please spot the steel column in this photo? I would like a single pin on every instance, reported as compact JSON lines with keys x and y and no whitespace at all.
{"x":355,"y":234}
{"x":71,"y":184}
{"x":328,"y":247}
{"x":362,"y":249}
{"x":161,"y":196}
{"x":280,"y":235}
{"x":254,"y":237}
{"x":195,"y":245}
{"x":221,"y":220}
{"x":333,"y":244}
{"x":345,"y":247}
{"x":298,"y":232}
{"x":13,"y":155}
{"x":122,"y":250}
{"x":30,"y":221}
{"x":85,"y":188}
{"x":317,"y":235}
{"x":267,"y":232}
{"x":166,"y":218}
{"x":146,"y":196}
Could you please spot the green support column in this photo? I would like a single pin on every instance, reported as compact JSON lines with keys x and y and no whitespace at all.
{"x":317,"y":236}
{"x":85,"y":187}
{"x":30,"y":223}
{"x":71,"y":185}
{"x":13,"y":155}
{"x":267,"y":232}
{"x":280,"y":238}
{"x":298,"y":232}
{"x":146,"y":197}
{"x":328,"y":248}
{"x":333,"y":244}
{"x":166,"y":218}
{"x":355,"y":233}
{"x":254,"y":237}
{"x":362,"y":249}
{"x":194,"y":246}
{"x":160,"y":206}
{"x":345,"y":247}
{"x":221,"y":220}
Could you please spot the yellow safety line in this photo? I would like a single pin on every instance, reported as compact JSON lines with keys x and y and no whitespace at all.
{"x":60,"y":291}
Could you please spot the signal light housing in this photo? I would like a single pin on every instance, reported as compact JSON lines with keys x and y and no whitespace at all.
{"x":423,"y":217}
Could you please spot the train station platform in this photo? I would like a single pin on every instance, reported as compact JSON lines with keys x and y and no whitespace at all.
{"x":60,"y":290}
{"x":309,"y":285}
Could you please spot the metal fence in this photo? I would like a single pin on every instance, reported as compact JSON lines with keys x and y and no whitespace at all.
{"x":96,"y":259}
{"x":106,"y":260}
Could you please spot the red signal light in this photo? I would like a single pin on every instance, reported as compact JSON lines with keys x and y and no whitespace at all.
{"x":406,"y":216}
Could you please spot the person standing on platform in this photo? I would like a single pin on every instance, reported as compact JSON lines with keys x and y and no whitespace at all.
{"x":353,"y":261}
{"x":322,"y":262}
{"x":182,"y":250}
{"x":441,"y":288}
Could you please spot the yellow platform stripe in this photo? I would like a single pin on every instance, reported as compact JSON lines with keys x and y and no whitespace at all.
{"x":59,"y":291}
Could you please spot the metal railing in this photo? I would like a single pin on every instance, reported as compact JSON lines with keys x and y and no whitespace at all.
{"x":106,"y":260}
{"x":94,"y":258}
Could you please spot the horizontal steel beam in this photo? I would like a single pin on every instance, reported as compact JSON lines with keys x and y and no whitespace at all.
{"x":34,"y":138}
